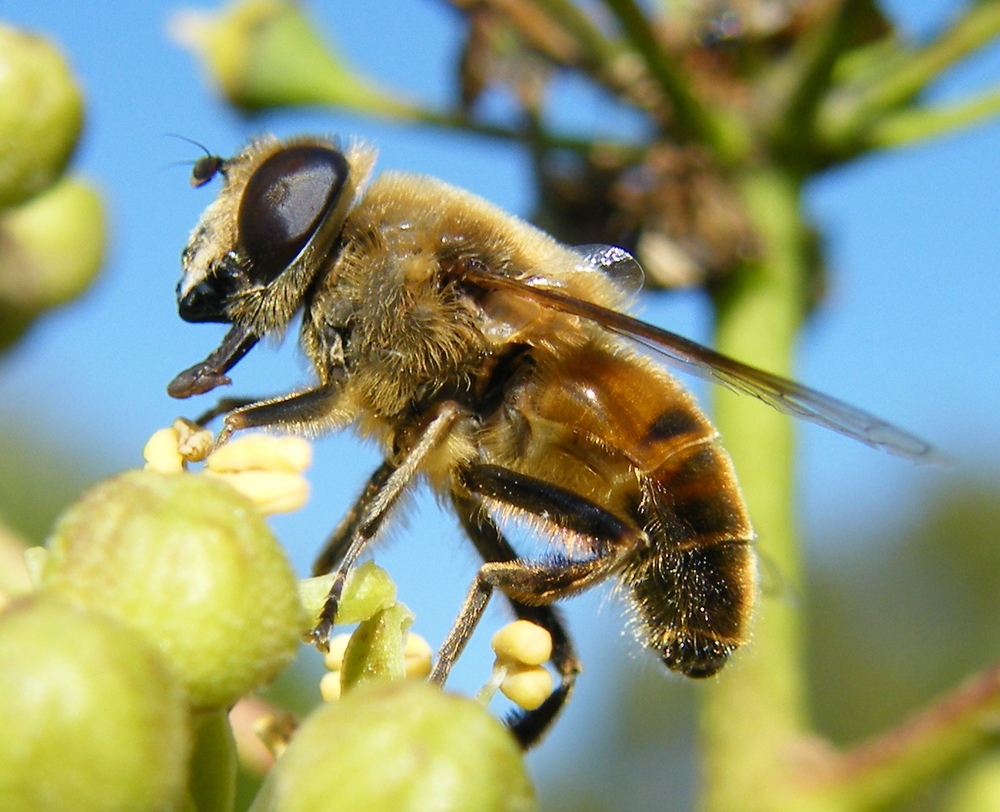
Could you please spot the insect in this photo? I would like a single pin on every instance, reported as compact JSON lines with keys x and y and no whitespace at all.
{"x":499,"y":365}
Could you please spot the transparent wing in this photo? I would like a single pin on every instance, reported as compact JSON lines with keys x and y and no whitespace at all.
{"x":781,"y":393}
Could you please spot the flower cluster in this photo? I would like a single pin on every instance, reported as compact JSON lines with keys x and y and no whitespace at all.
{"x":162,"y":599}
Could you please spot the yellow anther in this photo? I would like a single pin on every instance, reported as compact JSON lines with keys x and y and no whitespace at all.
{"x":161,"y":454}
{"x":417,"y":657}
{"x":329,"y":686}
{"x":334,"y":657}
{"x":526,"y":685}
{"x":262,"y":452}
{"x":193,"y":441}
{"x":270,"y":491}
{"x":523,"y":642}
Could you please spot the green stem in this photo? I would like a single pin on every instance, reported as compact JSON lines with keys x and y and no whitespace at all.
{"x":756,"y":710}
{"x":628,"y":151}
{"x":902,"y":761}
{"x":599,"y":50}
{"x":691,"y":118}
{"x":845,"y":120}
{"x":903,"y":129}
{"x":808,"y":71}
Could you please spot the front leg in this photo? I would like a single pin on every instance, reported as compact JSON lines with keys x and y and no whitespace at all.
{"x":340,"y":539}
{"x":223,"y":407}
{"x":298,"y":411}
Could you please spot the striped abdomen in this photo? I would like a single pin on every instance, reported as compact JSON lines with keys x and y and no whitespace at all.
{"x":614,"y":428}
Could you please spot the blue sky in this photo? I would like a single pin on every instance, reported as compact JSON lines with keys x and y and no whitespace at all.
{"x":909,"y":331}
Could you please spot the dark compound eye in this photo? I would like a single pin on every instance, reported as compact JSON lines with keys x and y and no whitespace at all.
{"x":284,"y":203}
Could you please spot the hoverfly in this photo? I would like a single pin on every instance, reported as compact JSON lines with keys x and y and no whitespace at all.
{"x":499,"y":364}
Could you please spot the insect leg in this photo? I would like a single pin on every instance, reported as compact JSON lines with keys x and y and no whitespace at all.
{"x":306,"y":408}
{"x":608,"y":539}
{"x":340,"y":539}
{"x":378,"y":499}
{"x":530,"y":586}
{"x":224,"y":406}
{"x":529,"y":726}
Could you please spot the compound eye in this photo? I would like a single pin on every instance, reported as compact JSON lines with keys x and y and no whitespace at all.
{"x":283,"y":205}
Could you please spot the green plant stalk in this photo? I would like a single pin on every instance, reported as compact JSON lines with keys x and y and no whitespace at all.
{"x":978,"y":25}
{"x":900,"y":762}
{"x":809,"y":71}
{"x":909,"y":127}
{"x":755,"y":711}
{"x":690,"y":117}
{"x":845,"y":120}
{"x":599,"y":49}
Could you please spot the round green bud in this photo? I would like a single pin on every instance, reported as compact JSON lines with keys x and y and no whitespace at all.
{"x":51,"y":248}
{"x":41,"y":113}
{"x":189,"y":563}
{"x":400,"y":746}
{"x":92,"y":718}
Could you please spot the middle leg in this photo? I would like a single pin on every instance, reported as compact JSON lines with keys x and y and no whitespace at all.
{"x":532,"y":586}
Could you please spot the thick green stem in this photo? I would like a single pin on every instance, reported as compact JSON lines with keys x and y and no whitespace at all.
{"x":755,"y":712}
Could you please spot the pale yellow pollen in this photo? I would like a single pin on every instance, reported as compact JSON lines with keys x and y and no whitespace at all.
{"x":270,"y":491}
{"x":329,"y":686}
{"x":263,"y":468}
{"x":194,"y":442}
{"x":266,"y":469}
{"x":334,"y":657}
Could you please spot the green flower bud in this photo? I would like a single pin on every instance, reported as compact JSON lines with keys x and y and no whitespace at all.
{"x":190,"y":564}
{"x":92,"y":718}
{"x":395,"y":747}
{"x":264,"y":53}
{"x":375,"y":652}
{"x":368,"y":590}
{"x":41,"y":113}
{"x":51,"y":248}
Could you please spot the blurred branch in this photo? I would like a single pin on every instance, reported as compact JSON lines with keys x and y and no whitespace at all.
{"x":550,"y":34}
{"x":689,"y":117}
{"x":811,"y":64}
{"x":846,"y":120}
{"x":901,"y":761}
{"x":599,"y":51}
{"x":752,"y":715}
{"x":910,"y":126}
{"x":267,"y":54}
{"x":544,"y":138}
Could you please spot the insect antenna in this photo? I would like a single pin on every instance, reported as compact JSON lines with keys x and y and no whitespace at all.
{"x":204,"y":168}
